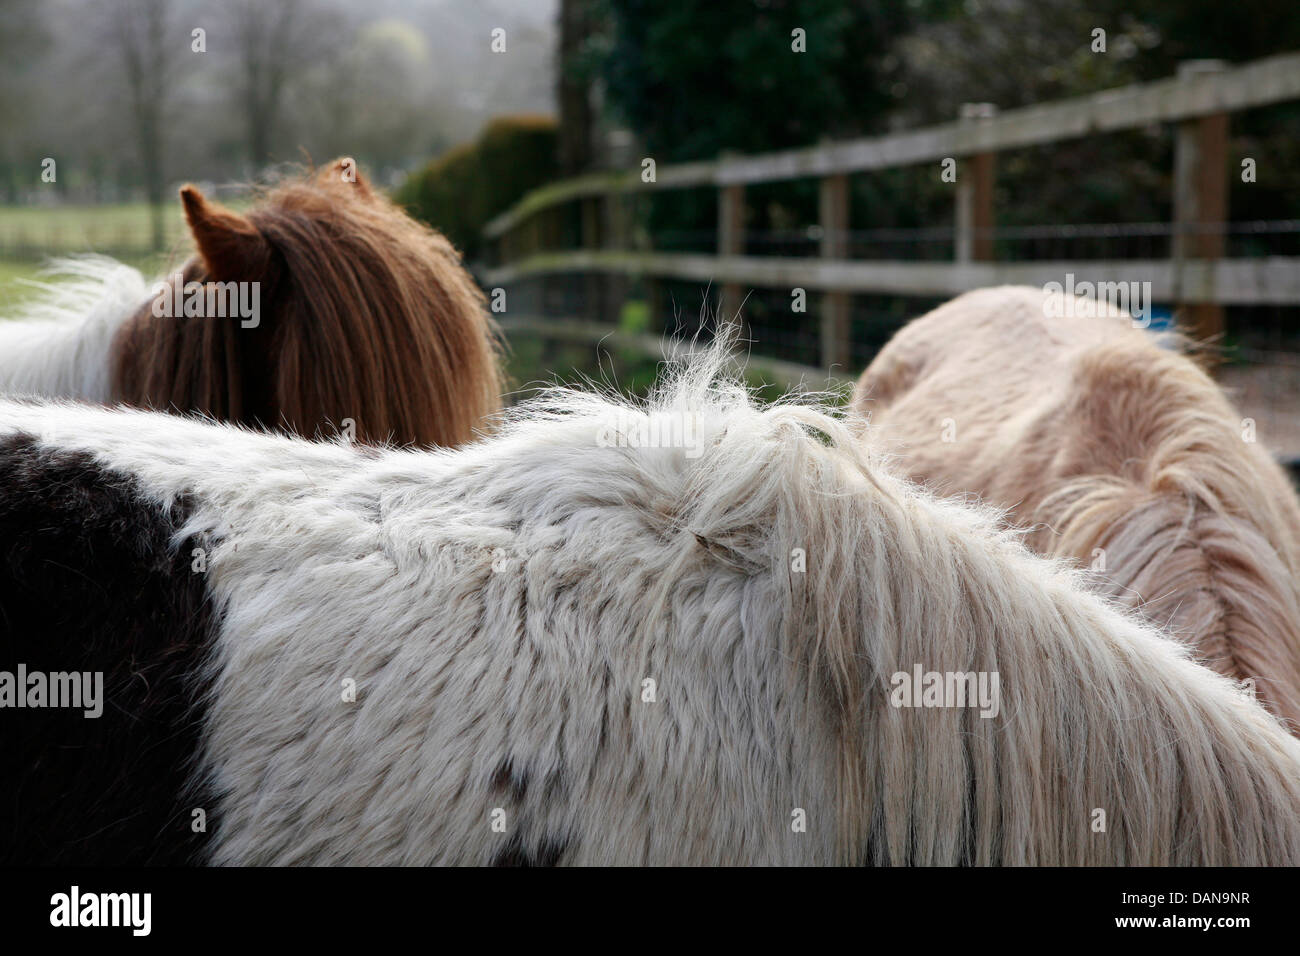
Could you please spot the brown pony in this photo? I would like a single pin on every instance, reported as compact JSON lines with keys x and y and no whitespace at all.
{"x":1116,"y":453}
{"x":365,"y":315}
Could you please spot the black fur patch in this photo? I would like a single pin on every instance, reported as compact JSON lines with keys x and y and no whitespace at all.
{"x":512,"y":783}
{"x":515,"y":853}
{"x":507,"y":780}
{"x":89,"y":582}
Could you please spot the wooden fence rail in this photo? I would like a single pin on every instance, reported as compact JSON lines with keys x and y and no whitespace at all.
{"x":1196,"y":278}
{"x":1269,"y":280}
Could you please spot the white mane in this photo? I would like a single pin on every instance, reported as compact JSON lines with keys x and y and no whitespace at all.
{"x":58,"y":342}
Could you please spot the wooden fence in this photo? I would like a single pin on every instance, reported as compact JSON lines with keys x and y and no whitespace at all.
{"x":1197,"y":277}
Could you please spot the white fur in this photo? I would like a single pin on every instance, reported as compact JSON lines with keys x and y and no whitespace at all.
{"x":58,"y":343}
{"x":618,"y":564}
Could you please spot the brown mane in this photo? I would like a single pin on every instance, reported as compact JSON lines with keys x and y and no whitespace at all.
{"x":365,"y":315}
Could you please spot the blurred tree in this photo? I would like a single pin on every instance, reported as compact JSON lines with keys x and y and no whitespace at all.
{"x":372,"y":101}
{"x":1211,"y":29}
{"x":274,"y":42}
{"x":24,"y":37}
{"x":465,"y":187}
{"x":143,"y":36}
{"x":573,"y":81}
{"x":391,"y":82}
{"x":694,"y":79}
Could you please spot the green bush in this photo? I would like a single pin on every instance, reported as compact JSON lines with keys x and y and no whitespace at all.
{"x":463,"y":189}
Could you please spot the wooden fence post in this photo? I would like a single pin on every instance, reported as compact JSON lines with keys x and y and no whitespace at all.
{"x":553,"y":241}
{"x":593,"y":298}
{"x":975,"y":179}
{"x":616,"y":237}
{"x":731,"y":242}
{"x":506,"y":247}
{"x":533,"y":239}
{"x":836,"y":342}
{"x":656,"y":299}
{"x":1200,"y":202}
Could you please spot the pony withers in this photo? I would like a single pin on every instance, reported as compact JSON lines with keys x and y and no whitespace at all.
{"x":1113,"y":452}
{"x":324,"y":309}
{"x":550,"y":647}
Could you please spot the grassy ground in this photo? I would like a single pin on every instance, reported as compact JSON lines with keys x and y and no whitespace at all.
{"x":31,"y":235}
{"x":124,"y":230}
{"x":11,"y":271}
{"x":12,"y":291}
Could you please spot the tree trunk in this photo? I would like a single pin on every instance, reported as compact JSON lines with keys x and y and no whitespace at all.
{"x":573,"y":92}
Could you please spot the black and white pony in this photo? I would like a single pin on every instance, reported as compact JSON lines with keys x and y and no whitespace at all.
{"x":694,"y":632}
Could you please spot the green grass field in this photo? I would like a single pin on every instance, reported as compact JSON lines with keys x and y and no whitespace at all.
{"x":31,"y":235}
{"x":11,"y":290}
{"x":36,"y":231}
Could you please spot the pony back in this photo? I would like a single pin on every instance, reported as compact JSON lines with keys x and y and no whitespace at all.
{"x":1115,"y":453}
{"x":502,"y":608}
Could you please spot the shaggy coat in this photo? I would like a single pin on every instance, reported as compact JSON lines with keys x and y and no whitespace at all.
{"x":573,"y":644}
{"x":364,"y":314}
{"x":1115,"y":453}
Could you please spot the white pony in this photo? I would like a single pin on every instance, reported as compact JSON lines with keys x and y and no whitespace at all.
{"x":575,"y":643}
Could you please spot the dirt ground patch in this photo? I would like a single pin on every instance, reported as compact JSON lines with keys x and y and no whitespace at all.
{"x":1270,"y":394}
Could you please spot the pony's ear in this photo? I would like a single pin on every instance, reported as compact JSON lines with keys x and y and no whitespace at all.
{"x":230,"y":245}
{"x":345,"y":172}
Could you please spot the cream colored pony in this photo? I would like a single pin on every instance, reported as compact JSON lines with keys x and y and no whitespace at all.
{"x":1117,"y":454}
